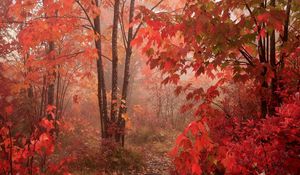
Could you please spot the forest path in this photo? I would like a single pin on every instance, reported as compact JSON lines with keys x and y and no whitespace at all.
{"x":157,"y":163}
{"x":155,"y":153}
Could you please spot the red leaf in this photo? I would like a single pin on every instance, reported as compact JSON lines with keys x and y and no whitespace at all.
{"x":262,"y":33}
{"x":168,"y":66}
{"x":137,"y":41}
{"x":50,"y":108}
{"x":9,"y":110}
{"x":47,"y":124}
{"x":180,"y":138}
{"x":196,"y":169}
{"x":193,"y":127}
{"x":263,"y":17}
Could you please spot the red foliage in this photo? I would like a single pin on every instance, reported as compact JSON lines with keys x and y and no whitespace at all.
{"x":269,"y":145}
{"x":21,"y":154}
{"x":216,"y":39}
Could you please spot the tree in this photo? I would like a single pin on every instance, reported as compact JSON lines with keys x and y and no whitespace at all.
{"x":252,"y":52}
{"x":242,"y":41}
{"x":127,"y":40}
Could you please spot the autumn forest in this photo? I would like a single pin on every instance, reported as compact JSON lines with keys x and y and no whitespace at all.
{"x":149,"y":87}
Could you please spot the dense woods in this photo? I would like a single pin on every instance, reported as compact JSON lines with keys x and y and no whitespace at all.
{"x":187,"y":87}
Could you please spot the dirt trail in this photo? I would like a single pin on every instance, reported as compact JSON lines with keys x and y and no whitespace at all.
{"x":155,"y":152}
{"x":156,"y":160}
{"x":157,"y":164}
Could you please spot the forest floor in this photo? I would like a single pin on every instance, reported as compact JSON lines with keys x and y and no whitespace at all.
{"x":157,"y":163}
{"x":155,"y":152}
{"x":146,"y":151}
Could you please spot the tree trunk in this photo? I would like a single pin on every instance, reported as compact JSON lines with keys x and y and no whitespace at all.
{"x":123,"y":106}
{"x":43,"y":98}
{"x":51,"y":80}
{"x":102,"y":100}
{"x":114,"y":44}
{"x":284,"y":40}
{"x":274,"y":98}
{"x":57,"y":99}
{"x":51,"y":74}
{"x":264,"y":86}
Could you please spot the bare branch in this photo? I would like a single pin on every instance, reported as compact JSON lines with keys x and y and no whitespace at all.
{"x":246,"y":57}
{"x":86,"y":14}
{"x":121,"y":19}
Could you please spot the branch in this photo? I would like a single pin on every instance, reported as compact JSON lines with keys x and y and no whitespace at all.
{"x":87,"y":27}
{"x":109,"y":59}
{"x":121,"y":19}
{"x":70,"y":55}
{"x":286,"y":30}
{"x":251,"y":57}
{"x":223,"y":109}
{"x":123,"y":31}
{"x":237,"y":62}
{"x":156,"y":5}
{"x":48,"y":17}
{"x":251,"y":14}
{"x":86,"y":14}
{"x":141,"y":23}
{"x":246,"y":55}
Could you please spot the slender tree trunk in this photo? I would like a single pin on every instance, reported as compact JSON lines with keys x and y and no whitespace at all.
{"x":123,"y":106}
{"x":273,"y":103}
{"x":63,"y":96}
{"x":114,"y":43}
{"x":286,"y":26}
{"x":264,"y":86}
{"x":102,"y":100}
{"x":276,"y":99}
{"x":42,"y":97}
{"x":52,"y":79}
{"x":30,"y":92}
{"x":51,"y":94}
{"x":51,"y":74}
{"x":57,"y":116}
{"x":57,"y":99}
{"x":284,"y":40}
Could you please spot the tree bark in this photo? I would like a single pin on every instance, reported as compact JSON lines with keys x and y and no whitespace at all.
{"x":51,"y":79}
{"x":274,"y":98}
{"x":263,"y":60}
{"x":115,"y":59}
{"x":284,"y":40}
{"x":123,"y":106}
{"x":43,"y":94}
{"x":57,"y":99}
{"x":275,"y":83}
{"x":102,"y":99}
{"x":51,"y":74}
